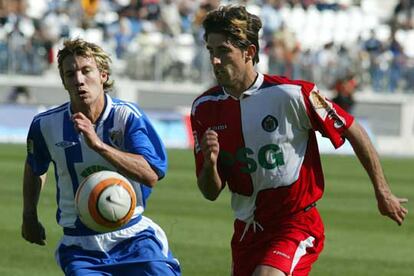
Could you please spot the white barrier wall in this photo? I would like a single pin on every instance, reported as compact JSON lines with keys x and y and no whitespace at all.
{"x":389,"y":118}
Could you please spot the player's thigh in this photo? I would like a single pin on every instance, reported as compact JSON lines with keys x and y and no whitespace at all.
{"x":265,"y":270}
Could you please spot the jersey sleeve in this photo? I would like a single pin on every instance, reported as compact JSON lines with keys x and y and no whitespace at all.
{"x":38,"y":156}
{"x":141,"y":138}
{"x":327,"y":117}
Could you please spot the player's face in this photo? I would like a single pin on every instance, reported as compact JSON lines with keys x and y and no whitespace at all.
{"x":229,"y":62}
{"x":83,"y":80}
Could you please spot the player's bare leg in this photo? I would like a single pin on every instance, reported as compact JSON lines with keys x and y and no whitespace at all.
{"x":265,"y":270}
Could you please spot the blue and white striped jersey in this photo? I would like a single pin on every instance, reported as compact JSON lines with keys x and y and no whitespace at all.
{"x":53,"y":139}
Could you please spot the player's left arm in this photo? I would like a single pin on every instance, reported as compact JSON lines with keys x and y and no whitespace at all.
{"x":388,"y":204}
{"x":131,"y":165}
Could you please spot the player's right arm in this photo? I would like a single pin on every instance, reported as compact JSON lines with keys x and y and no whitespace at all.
{"x":32,"y":230}
{"x":388,"y":204}
{"x":208,"y":179}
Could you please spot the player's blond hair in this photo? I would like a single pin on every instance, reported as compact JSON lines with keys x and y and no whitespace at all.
{"x":80,"y":47}
{"x":237,"y":24}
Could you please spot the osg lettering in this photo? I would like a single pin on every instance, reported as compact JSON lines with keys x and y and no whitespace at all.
{"x":269,"y":157}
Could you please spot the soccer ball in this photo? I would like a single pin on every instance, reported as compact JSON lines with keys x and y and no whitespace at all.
{"x":105,"y":201}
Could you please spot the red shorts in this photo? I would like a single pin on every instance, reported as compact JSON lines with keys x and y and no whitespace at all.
{"x":291,"y":246}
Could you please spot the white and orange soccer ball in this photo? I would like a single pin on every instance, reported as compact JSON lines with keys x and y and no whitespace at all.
{"x":105,"y":201}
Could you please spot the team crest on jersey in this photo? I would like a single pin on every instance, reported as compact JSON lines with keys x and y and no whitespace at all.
{"x":318,"y":101}
{"x":269,"y":123}
{"x":116,"y":137}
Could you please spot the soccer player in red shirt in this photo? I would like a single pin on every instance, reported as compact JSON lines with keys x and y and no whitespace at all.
{"x":256,"y":133}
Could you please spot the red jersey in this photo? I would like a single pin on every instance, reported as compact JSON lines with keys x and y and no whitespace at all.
{"x":269,"y":156}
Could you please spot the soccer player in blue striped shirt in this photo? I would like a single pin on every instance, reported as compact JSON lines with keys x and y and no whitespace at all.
{"x":89,"y":133}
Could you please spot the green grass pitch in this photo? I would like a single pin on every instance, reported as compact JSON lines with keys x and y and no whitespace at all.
{"x":359,"y":241}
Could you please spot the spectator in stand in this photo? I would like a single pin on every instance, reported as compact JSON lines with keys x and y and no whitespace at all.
{"x":204,"y":7}
{"x":327,"y":5}
{"x":284,"y":53}
{"x":271,"y":17}
{"x":327,"y":59}
{"x":396,"y":64}
{"x":374,"y":47}
{"x":403,"y":14}
{"x":345,"y":88}
{"x":201,"y":60}
{"x":39,"y":51}
{"x":186,"y":9}
{"x":123,"y":36}
{"x":140,"y":12}
{"x":170,"y":18}
{"x":17,"y":48}
{"x":307,"y":65}
{"x":151,"y":9}
{"x":276,"y":53}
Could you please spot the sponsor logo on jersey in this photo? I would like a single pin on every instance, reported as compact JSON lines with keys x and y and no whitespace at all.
{"x":269,"y":123}
{"x":277,"y":252}
{"x":65,"y":144}
{"x":219,"y":127}
{"x":93,"y":169}
{"x":269,"y":157}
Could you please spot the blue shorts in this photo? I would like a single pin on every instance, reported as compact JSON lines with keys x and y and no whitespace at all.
{"x":141,"y":249}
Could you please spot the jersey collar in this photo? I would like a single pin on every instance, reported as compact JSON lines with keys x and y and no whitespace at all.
{"x":251,"y":90}
{"x":104,"y":114}
{"x":107,"y":109}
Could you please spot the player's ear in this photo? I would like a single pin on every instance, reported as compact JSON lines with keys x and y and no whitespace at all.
{"x":250,"y":52}
{"x":104,"y":76}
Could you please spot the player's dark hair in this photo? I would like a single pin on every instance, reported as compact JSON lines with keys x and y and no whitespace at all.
{"x":237,"y":24}
{"x":80,"y":47}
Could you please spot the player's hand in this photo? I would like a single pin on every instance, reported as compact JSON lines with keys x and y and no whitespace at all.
{"x":33,"y":231}
{"x":83,"y":125}
{"x":391,"y":206}
{"x":210,"y":147}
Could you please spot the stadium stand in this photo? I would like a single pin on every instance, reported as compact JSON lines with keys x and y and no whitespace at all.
{"x":157,"y":47}
{"x":297,"y":35}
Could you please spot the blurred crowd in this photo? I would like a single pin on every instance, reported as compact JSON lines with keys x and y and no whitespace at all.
{"x":162,"y":40}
